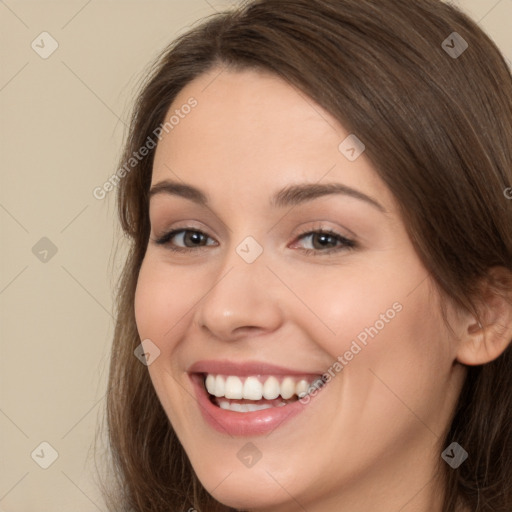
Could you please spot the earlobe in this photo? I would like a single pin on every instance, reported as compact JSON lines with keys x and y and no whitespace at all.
{"x":483,"y":343}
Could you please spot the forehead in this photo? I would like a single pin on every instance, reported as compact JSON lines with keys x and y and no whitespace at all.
{"x":251,"y":127}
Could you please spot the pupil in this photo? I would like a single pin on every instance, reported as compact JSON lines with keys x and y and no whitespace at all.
{"x":195,"y":237}
{"x":323,"y":239}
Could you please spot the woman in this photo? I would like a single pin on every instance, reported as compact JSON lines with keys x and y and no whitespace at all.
{"x":316,"y":308}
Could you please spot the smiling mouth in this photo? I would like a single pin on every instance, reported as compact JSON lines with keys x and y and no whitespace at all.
{"x":257,"y":392}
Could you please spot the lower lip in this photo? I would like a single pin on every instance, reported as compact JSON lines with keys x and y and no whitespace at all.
{"x":243,"y":423}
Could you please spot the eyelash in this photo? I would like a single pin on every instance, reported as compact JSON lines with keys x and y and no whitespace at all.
{"x":347,"y":244}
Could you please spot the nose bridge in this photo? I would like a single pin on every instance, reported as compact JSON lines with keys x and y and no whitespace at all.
{"x":241,"y":294}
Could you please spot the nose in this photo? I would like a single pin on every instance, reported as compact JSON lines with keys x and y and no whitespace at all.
{"x":242,"y":300}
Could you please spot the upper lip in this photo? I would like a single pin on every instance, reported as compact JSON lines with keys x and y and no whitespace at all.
{"x":244,"y":368}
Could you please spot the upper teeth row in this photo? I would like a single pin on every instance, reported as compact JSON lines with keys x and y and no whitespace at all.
{"x":253,"y":389}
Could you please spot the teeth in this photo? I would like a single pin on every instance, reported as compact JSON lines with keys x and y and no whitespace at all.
{"x":233,"y":406}
{"x":302,"y":388}
{"x":271,"y":388}
{"x":287,"y":388}
{"x":219,"y":386}
{"x":233,"y":387}
{"x":254,"y":388}
{"x":210,"y":384}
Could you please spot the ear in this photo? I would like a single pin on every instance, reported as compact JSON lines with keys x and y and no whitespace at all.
{"x":481,"y":344}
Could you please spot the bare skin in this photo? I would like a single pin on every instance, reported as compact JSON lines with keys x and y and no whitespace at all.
{"x":371,"y":438}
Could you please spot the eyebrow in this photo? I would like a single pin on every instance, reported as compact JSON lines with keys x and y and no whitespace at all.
{"x":291,"y":195}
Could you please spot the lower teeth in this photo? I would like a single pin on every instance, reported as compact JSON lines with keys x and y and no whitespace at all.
{"x":244,"y":407}
{"x":247,"y":406}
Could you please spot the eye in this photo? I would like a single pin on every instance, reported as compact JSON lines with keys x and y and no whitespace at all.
{"x":326,"y":241}
{"x":184,"y":236}
{"x":323,"y":241}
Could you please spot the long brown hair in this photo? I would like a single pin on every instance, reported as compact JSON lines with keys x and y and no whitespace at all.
{"x":438,"y":130}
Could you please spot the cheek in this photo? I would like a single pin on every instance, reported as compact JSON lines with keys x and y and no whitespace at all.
{"x":160,"y":301}
{"x":353,"y":303}
{"x":147,"y":314}
{"x":380,"y":318}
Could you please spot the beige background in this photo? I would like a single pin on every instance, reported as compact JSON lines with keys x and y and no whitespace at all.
{"x":62,"y":121}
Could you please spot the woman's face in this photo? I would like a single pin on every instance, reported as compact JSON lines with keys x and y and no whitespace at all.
{"x":291,"y":262}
